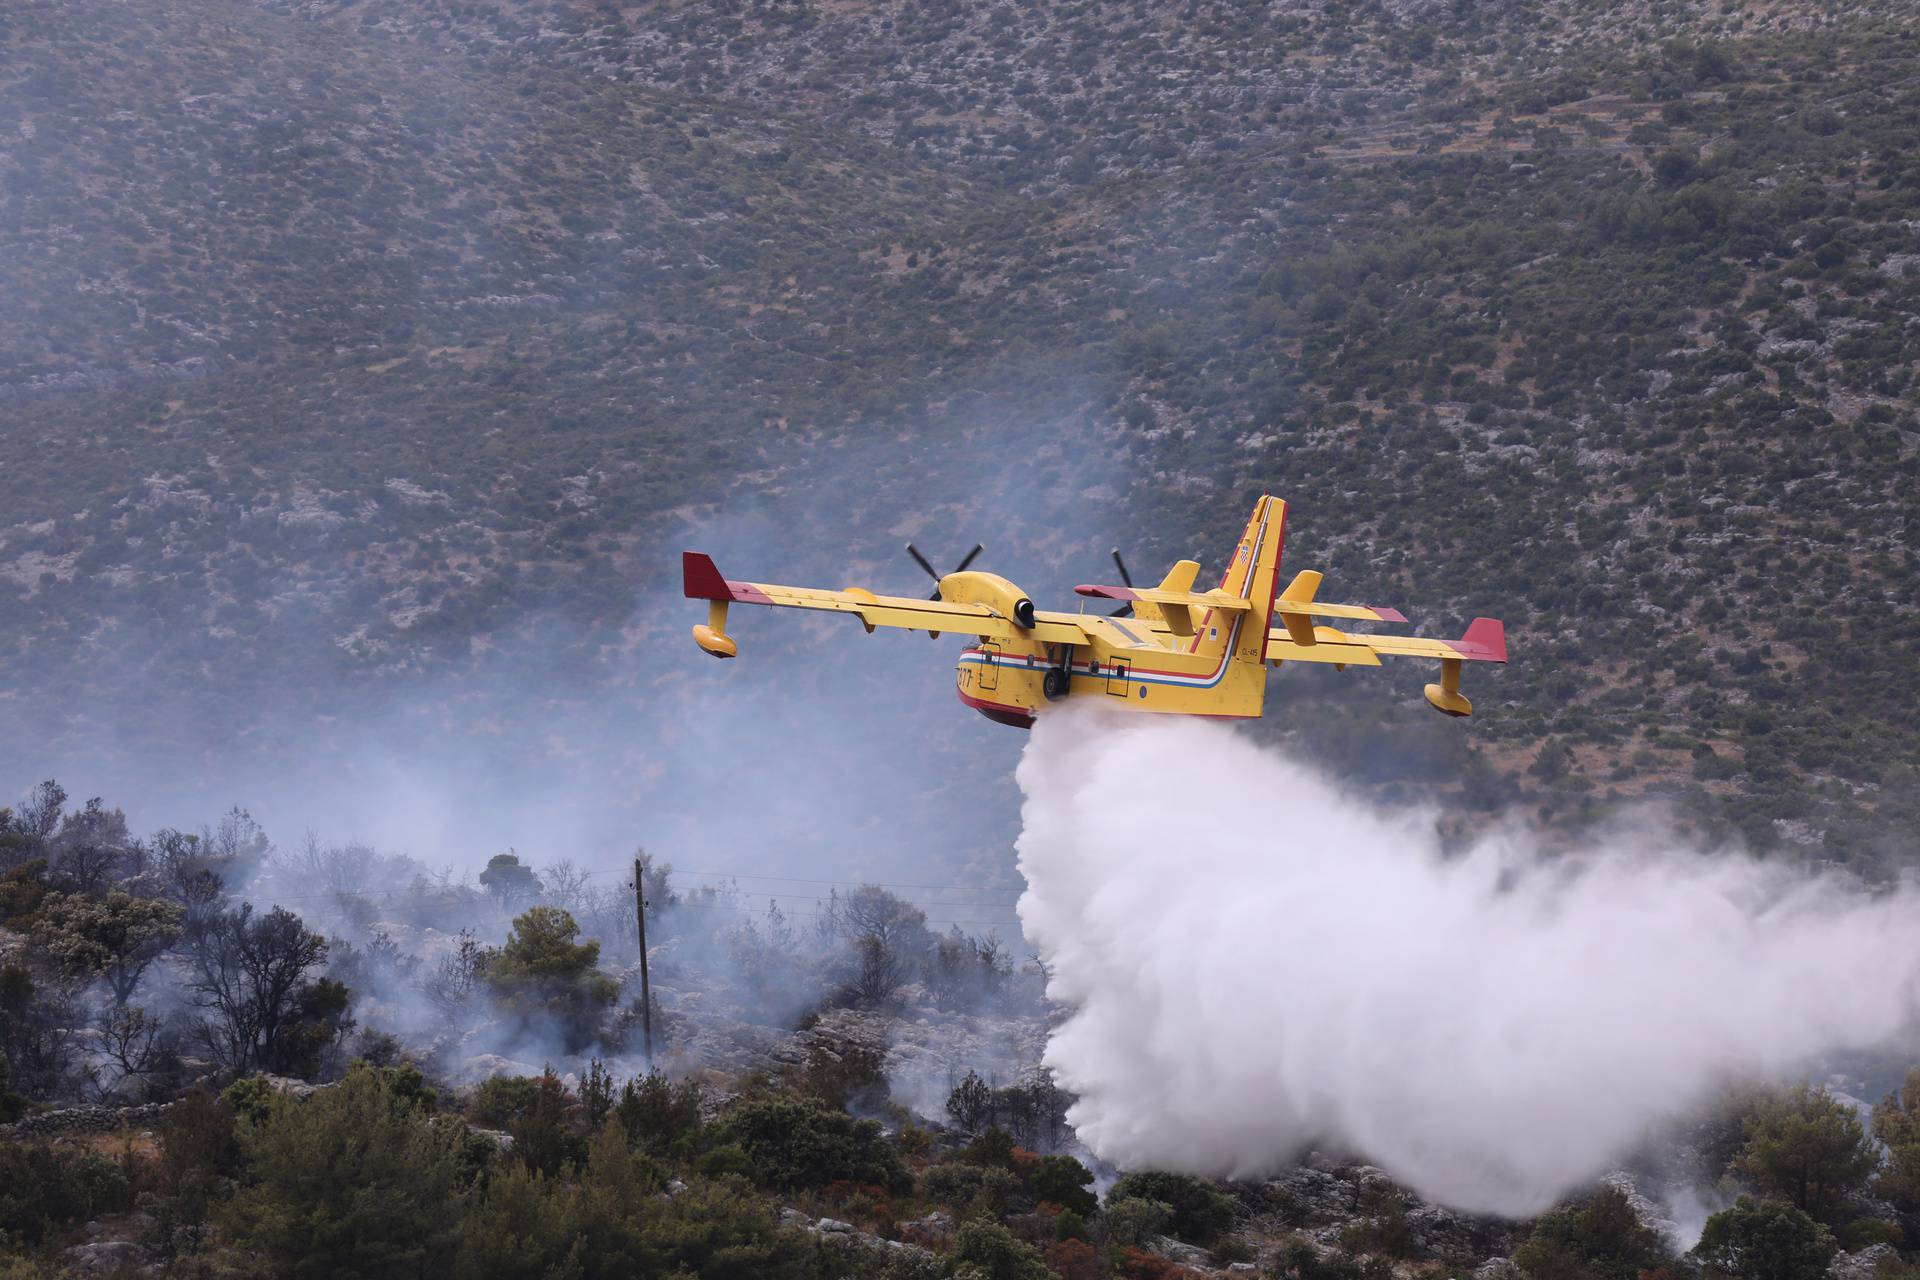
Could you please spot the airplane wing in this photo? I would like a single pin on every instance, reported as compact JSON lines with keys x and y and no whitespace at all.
{"x":1359,"y":612}
{"x":704,"y":582}
{"x":1215,"y":599}
{"x":1175,"y":608}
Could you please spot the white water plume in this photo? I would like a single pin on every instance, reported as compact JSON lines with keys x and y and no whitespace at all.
{"x":1257,"y":961}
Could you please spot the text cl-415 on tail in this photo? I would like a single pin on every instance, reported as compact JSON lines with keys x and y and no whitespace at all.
{"x":1175,"y":650}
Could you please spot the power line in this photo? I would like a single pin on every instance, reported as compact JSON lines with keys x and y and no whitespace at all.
{"x":333,"y":894}
{"x":762,"y":911}
{"x":731,"y":875}
{"x":683,"y":903}
{"x":857,"y":884}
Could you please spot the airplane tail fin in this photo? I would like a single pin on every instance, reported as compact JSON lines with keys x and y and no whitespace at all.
{"x":1255,"y":573}
{"x":1254,"y":576}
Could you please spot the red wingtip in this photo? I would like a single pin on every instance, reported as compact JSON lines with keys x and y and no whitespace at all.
{"x":1487,"y":638}
{"x":1105,"y":593}
{"x":703,"y":580}
{"x":1386,"y":614}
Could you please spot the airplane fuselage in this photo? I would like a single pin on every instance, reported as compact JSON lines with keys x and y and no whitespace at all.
{"x":1134,"y":670}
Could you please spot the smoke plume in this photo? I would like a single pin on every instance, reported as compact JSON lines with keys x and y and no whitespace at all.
{"x":1256,"y":962}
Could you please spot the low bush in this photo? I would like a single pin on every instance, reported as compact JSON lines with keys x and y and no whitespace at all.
{"x":796,"y":1142}
{"x":44,"y":1190}
{"x":1200,"y":1213}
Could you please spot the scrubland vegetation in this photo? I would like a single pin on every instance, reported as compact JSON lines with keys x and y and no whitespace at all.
{"x":1588,"y":315}
{"x":196,"y":1085}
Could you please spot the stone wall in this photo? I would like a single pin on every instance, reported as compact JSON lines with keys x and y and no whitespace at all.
{"x":93,"y":1118}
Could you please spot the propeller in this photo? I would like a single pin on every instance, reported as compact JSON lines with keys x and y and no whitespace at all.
{"x":922,"y":562}
{"x":1126,"y":578}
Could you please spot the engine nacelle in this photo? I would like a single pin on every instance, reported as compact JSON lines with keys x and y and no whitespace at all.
{"x":991,"y":590}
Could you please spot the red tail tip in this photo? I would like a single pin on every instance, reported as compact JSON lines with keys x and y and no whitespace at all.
{"x":1488,"y":637}
{"x":703,"y":580}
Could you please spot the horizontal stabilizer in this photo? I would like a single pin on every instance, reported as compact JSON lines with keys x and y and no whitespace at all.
{"x":1354,"y":652}
{"x":1175,"y":608}
{"x":1357,"y":612}
{"x":1215,"y":599}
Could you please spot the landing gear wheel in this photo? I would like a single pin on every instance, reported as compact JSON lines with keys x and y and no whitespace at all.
{"x":1054,"y":684}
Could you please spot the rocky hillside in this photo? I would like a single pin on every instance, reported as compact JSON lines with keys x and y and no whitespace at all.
{"x":358,"y":347}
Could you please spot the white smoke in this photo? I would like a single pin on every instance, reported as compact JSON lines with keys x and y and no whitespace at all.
{"x":1256,"y":961}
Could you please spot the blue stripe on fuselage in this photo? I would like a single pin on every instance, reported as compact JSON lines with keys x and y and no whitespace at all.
{"x":1198,"y":680}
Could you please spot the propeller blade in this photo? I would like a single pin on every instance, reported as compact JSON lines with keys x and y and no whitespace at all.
{"x":1124,"y":611}
{"x":1121,"y":565}
{"x":922,"y":562}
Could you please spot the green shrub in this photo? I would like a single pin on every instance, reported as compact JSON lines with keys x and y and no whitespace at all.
{"x":1765,"y":1240}
{"x":44,"y":1190}
{"x":971,"y":1187}
{"x":1896,"y":1123}
{"x":1064,"y":1181}
{"x":1603,"y":1238}
{"x":795,"y":1142}
{"x":500,"y":1099}
{"x":730,"y":1160}
{"x":1301,"y":1261}
{"x":655,"y":1113}
{"x":1130,"y":1220}
{"x":543,"y":975}
{"x":12,"y":1105}
{"x":953,"y":1185}
{"x":1200,"y":1213}
{"x":995,"y":1253}
{"x":994,"y":1147}
{"x":1864,"y":1233}
{"x":613,"y":1220}
{"x":199,"y":1157}
{"x":1809,"y":1147}
{"x":251,"y":1097}
{"x":1383,"y":1230}
{"x":359,"y":1180}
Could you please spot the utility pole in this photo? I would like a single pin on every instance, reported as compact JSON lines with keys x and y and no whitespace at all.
{"x":646,"y":990}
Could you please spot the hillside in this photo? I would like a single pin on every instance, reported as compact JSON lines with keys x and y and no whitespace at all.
{"x":356,"y":349}
{"x":418,"y":1074}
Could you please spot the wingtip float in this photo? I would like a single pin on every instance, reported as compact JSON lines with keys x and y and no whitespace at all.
{"x":1170,"y":649}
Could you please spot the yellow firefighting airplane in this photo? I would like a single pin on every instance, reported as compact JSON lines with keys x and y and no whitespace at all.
{"x":1182,"y":652}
